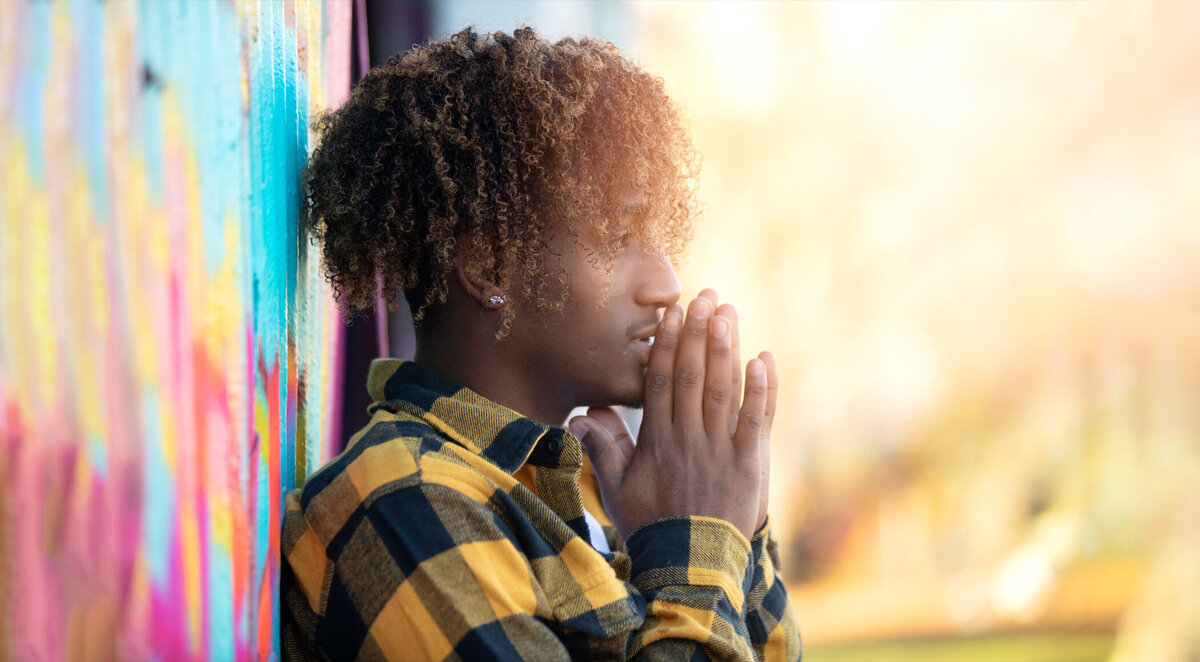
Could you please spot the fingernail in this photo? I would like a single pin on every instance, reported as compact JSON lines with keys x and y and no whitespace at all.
{"x":671,"y":320}
{"x":719,"y":327}
{"x":701,"y":307}
{"x":577,"y":428}
{"x":756,"y":368}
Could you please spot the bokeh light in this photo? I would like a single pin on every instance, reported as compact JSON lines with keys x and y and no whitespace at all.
{"x":968,"y":231}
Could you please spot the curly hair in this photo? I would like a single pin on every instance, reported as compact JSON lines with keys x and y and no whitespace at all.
{"x":501,"y":141}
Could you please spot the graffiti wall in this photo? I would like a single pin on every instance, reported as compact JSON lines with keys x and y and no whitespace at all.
{"x":168,"y":348}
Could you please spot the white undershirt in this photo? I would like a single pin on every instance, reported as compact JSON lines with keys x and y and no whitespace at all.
{"x":596,"y":533}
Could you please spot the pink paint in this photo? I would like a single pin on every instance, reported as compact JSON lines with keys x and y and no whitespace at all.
{"x":337,"y":51}
{"x":73,"y":462}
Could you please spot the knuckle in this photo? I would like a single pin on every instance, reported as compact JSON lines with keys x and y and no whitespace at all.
{"x":696,"y":327}
{"x":752,"y":420}
{"x":658,"y":383}
{"x":716,"y":394}
{"x":688,"y":377}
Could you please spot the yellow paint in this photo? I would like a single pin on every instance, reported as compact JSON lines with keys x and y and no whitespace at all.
{"x":170,"y":431}
{"x":119,"y":85}
{"x":219,"y":319}
{"x":145,"y":226}
{"x":312,"y":25}
{"x":43,"y":329}
{"x":15,"y":356}
{"x":190,"y":549}
{"x":222,"y":521}
{"x":86,"y":292}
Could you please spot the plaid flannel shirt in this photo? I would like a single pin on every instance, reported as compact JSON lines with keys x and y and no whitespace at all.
{"x":453,"y":528}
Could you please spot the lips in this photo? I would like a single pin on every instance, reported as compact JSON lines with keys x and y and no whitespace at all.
{"x":642,"y":340}
{"x":646,"y":334}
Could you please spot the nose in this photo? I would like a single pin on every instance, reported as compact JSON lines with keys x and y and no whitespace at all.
{"x":658,"y":285}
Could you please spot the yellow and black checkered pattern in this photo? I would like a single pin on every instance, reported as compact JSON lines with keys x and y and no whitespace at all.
{"x":452,"y":528}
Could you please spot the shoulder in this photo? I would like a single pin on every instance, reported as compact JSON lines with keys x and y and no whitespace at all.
{"x":391,"y":460}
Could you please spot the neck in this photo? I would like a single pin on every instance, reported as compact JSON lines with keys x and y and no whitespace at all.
{"x":486,"y":366}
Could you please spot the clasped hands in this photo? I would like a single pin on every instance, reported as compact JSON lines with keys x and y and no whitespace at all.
{"x":704,"y":444}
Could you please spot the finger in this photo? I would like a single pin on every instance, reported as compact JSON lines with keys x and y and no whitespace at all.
{"x":750,"y":417}
{"x":764,"y":439}
{"x":717,"y":380}
{"x":612,"y":421}
{"x":735,"y":362}
{"x":689,"y":367}
{"x":603,"y":451}
{"x":657,"y":401}
{"x":768,"y":360}
{"x":710,"y":294}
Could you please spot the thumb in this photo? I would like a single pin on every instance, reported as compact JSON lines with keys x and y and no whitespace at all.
{"x":607,"y":459}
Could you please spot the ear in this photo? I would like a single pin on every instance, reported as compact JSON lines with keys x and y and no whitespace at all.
{"x":479,"y":285}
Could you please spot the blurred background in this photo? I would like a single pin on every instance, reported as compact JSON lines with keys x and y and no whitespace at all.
{"x":968,"y":231}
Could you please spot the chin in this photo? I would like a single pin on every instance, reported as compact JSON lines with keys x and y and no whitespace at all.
{"x":630,"y":395}
{"x":632,"y":400}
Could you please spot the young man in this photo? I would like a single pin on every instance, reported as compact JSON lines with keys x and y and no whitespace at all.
{"x":528,"y":199}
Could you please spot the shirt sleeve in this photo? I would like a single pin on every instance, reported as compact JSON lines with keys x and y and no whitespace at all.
{"x":693,"y":573}
{"x":428,"y":572}
{"x":769,"y":616}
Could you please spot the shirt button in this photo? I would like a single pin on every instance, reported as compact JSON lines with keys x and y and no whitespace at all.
{"x":554,"y":445}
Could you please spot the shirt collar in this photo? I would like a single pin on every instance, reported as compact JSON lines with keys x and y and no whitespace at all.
{"x":495,"y":432}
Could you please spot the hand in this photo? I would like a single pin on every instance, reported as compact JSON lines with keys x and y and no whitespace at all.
{"x":764,"y":458}
{"x":691,"y":458}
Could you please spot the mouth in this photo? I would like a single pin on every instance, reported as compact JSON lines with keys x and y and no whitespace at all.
{"x":642,"y":341}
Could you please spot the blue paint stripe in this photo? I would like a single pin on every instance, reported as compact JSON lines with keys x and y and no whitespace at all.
{"x":32,"y":89}
{"x":158,"y":492}
{"x":92,"y":113}
{"x":150,"y":118}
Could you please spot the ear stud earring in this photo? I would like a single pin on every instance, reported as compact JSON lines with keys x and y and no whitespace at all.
{"x":496,"y":300}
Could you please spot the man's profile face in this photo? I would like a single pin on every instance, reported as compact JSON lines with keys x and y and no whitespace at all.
{"x":588,"y":355}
